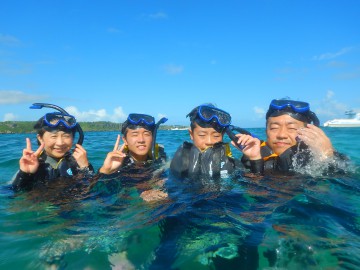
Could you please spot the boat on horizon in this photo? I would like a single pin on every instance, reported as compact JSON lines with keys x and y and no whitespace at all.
{"x":353,"y":120}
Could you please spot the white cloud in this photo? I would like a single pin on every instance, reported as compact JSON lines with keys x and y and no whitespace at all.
{"x":260,"y":112}
{"x":118,"y":115}
{"x":173,"y":69}
{"x":9,"y":40}
{"x":17,"y":97}
{"x":327,"y":56}
{"x":9,"y":117}
{"x":330,"y":107}
{"x":158,"y":15}
{"x":113,"y":30}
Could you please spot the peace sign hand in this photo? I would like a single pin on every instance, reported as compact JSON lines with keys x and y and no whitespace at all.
{"x":29,"y":162}
{"x":114,"y":159}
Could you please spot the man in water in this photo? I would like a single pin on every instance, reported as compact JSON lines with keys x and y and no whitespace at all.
{"x":293,"y":132}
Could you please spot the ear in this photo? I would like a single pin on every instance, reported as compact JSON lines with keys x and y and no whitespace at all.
{"x":124,"y":140}
{"x":40,"y":139}
{"x":191,"y":134}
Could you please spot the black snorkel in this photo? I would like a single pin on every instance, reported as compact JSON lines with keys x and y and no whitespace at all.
{"x":230,"y":132}
{"x":161,"y":121}
{"x":47,"y":105}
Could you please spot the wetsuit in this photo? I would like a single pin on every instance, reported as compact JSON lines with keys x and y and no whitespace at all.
{"x":298,"y":154}
{"x":49,"y":169}
{"x":215,"y":161}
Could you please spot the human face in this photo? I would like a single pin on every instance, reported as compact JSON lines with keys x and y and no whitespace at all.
{"x":57,"y":143}
{"x":204,"y":138}
{"x":139,"y":143}
{"x":281,"y":132}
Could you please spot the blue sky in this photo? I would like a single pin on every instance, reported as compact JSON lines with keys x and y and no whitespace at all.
{"x":102,"y":60}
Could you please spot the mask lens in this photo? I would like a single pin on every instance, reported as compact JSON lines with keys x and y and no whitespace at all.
{"x":296,"y":106}
{"x":136,"y":119}
{"x":207,"y":113}
{"x":55,"y":119}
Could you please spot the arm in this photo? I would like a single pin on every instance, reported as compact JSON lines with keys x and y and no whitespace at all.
{"x":251,"y":151}
{"x":29,"y":164}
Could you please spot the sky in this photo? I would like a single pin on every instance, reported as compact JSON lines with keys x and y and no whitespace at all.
{"x":101,"y":60}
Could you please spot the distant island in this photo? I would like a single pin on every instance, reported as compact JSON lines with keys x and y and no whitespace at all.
{"x":11,"y":127}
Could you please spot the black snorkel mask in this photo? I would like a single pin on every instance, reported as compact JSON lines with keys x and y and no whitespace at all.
{"x":298,"y":110}
{"x":62,"y":118}
{"x":137,"y":120}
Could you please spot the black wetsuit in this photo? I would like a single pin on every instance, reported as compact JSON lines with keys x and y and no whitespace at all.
{"x":49,"y":169}
{"x":298,"y":154}
{"x":215,"y":161}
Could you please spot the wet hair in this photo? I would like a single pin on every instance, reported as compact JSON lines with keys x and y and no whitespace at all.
{"x":126,"y":126}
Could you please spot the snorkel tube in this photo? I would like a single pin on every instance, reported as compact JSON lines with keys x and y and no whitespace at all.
{"x":230,"y":132}
{"x":52,"y":106}
{"x":161,"y":121}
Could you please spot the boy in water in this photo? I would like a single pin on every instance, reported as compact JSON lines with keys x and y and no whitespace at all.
{"x":208,"y":155}
{"x":135,"y":157}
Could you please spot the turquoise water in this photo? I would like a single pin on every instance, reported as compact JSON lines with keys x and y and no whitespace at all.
{"x":306,"y":222}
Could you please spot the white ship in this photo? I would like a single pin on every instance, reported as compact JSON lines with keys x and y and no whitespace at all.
{"x":353,"y":120}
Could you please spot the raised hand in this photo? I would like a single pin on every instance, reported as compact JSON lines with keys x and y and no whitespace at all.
{"x":114,"y":159}
{"x":251,"y":146}
{"x":316,"y":139}
{"x":80,"y":156}
{"x":29,"y":161}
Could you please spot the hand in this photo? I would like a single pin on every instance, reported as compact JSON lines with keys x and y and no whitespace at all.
{"x":251,"y":146}
{"x":317,"y":141}
{"x":29,"y":162}
{"x":153,"y":195}
{"x":80,"y":156}
{"x":113,"y":159}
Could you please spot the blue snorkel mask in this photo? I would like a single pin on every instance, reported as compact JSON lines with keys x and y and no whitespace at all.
{"x":208,"y":115}
{"x":135,"y":120}
{"x":58,"y":119}
{"x":298,"y":110}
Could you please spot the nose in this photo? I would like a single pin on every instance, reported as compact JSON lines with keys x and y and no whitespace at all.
{"x":59,"y":140}
{"x":282,"y":132}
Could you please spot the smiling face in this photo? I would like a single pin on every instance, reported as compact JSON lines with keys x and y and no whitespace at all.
{"x":281,"y":132}
{"x":57,"y":143}
{"x":204,"y":138}
{"x":139,"y":142}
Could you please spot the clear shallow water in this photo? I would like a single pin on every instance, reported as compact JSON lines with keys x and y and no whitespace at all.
{"x":308,"y":222}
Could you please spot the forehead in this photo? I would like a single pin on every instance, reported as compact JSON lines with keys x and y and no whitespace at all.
{"x":284,"y":119}
{"x":208,"y":130}
{"x":138,"y":129}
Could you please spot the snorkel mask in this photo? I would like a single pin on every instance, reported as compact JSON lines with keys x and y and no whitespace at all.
{"x":137,"y":120}
{"x":298,"y":110}
{"x":61,"y":120}
{"x":208,"y":115}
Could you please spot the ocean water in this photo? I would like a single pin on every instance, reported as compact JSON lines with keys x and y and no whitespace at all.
{"x":307,"y":221}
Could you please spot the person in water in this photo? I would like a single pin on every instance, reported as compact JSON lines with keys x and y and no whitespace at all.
{"x":293,"y":135}
{"x":137,"y":155}
{"x":208,"y":155}
{"x":53,"y":158}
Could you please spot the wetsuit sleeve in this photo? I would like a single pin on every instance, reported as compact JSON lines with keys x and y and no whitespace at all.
{"x":178,"y":165}
{"x":23,"y":181}
{"x":255,"y":166}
